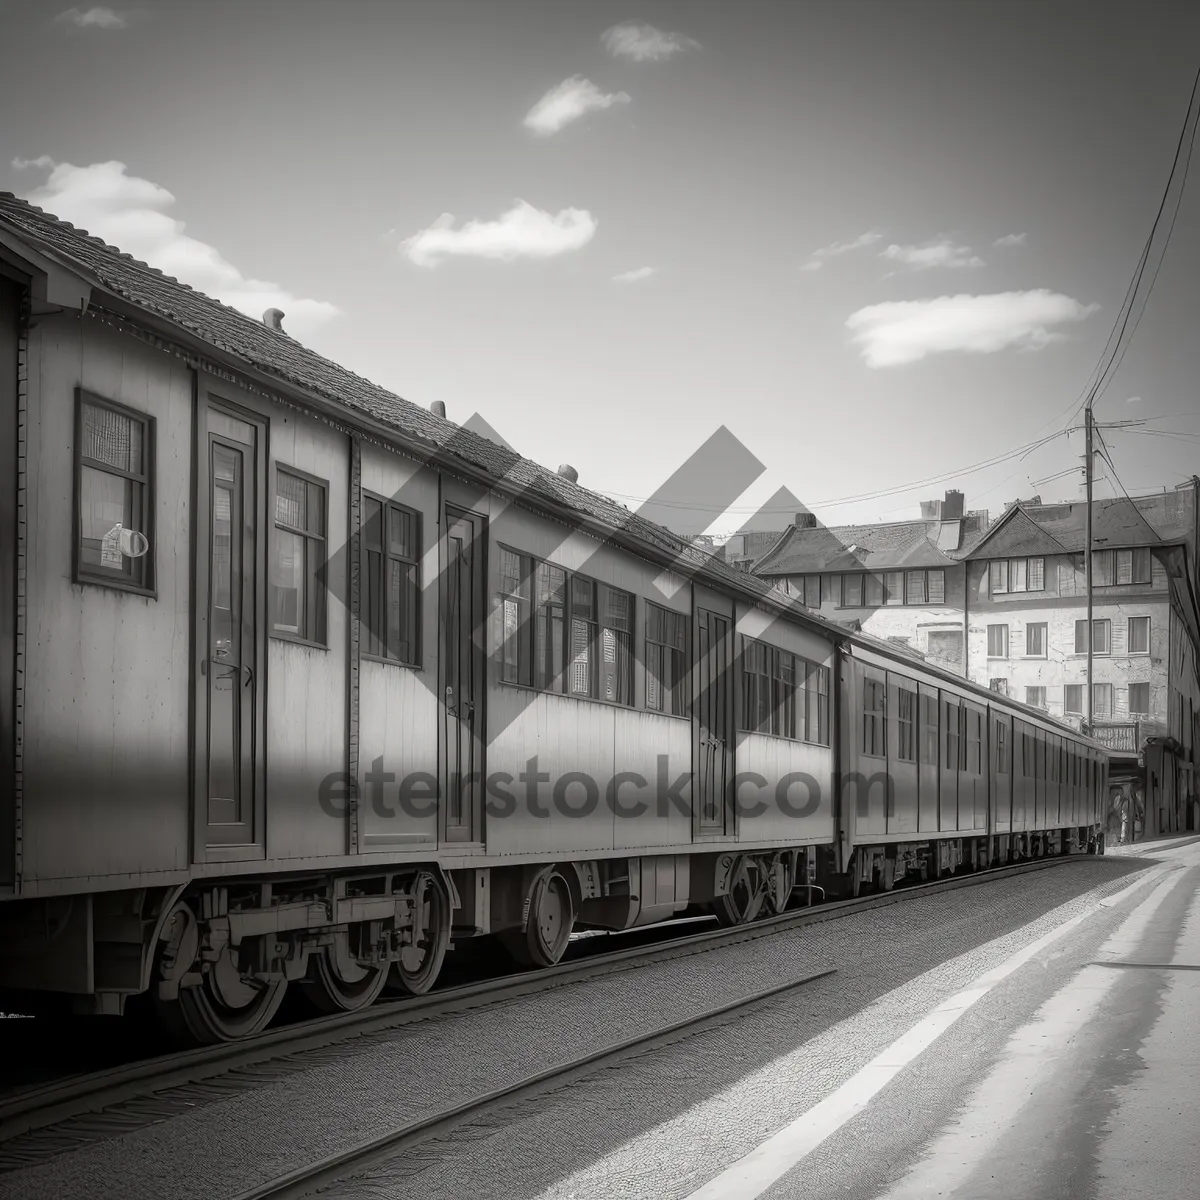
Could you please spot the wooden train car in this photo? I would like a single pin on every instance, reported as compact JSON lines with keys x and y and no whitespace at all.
{"x":300,"y":683}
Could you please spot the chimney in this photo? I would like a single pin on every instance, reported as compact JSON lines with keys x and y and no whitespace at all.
{"x":806,"y":520}
{"x":438,"y":408}
{"x":931,"y":510}
{"x":568,"y":472}
{"x":273,"y":319}
{"x":952,"y":506}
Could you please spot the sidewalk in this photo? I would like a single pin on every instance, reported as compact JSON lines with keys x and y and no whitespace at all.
{"x":1151,"y":845}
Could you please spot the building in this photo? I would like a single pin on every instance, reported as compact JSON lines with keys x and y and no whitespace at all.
{"x":900,"y":581}
{"x":1027,"y":634}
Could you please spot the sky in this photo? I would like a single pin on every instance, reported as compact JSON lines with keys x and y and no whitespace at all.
{"x":880,"y":242}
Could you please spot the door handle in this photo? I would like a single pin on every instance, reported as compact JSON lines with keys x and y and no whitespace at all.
{"x":249,"y":676}
{"x":450,"y":709}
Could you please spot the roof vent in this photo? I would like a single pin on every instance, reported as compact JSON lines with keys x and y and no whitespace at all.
{"x":438,"y":408}
{"x":806,"y":520}
{"x":273,"y":319}
{"x":568,"y":472}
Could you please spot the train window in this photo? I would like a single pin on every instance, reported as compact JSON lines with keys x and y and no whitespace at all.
{"x":756,"y":686}
{"x":666,"y":660}
{"x":1002,"y":749}
{"x":297,"y":592}
{"x":906,"y":725}
{"x":816,"y":703}
{"x":516,"y":584}
{"x":114,"y":494}
{"x":953,"y":736}
{"x":785,"y":673}
{"x":974,"y":742}
{"x":391,"y":581}
{"x":549,"y":627}
{"x":584,"y":628}
{"x":929,"y":730}
{"x":874,"y":718}
{"x":616,"y":645}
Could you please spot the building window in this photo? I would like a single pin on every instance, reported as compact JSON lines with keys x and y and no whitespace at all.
{"x":1073,"y":701}
{"x":874,"y":718}
{"x":893,"y":583}
{"x":935,"y":582}
{"x":391,"y":586}
{"x":914,"y":587}
{"x":929,"y":730}
{"x":997,"y":636}
{"x":297,"y":593}
{"x":1120,"y":568}
{"x":666,"y":661}
{"x":1101,"y":700}
{"x":852,"y":591}
{"x":906,"y":725}
{"x":999,"y":686}
{"x":1035,"y":697}
{"x":1101,"y":639}
{"x":1016,"y":575}
{"x":114,"y":462}
{"x":1139,"y":635}
{"x":812,"y":591}
{"x":1035,"y":640}
{"x":1139,"y":699}
{"x":873,"y":586}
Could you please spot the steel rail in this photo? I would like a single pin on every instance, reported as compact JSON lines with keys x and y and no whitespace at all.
{"x":47,"y":1105}
{"x":332,"y":1167}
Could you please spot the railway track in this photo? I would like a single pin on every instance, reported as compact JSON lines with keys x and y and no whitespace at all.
{"x":43,"y":1122}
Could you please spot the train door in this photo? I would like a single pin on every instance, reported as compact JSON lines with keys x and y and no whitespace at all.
{"x":713,"y":727}
{"x":229,"y":732}
{"x":463,"y":576}
{"x":951,"y":753}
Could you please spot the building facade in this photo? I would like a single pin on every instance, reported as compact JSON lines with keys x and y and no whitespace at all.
{"x":1027,"y":634}
{"x":901,"y":581}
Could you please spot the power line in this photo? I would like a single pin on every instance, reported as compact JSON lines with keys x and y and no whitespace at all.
{"x":1110,"y":347}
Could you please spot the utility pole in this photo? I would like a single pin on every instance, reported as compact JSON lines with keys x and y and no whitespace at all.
{"x":1087,"y":562}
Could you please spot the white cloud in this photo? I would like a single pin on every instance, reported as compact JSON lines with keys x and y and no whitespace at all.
{"x":940,"y":252}
{"x":644,"y":43}
{"x":93,"y":18}
{"x":907,"y":331}
{"x":635,"y":275}
{"x":522,"y":232}
{"x":1010,"y":239}
{"x":820,"y":257}
{"x":572,"y":99}
{"x":131,"y":214}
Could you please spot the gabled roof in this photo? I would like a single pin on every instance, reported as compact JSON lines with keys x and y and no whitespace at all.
{"x":1117,"y":523}
{"x":892,"y":546}
{"x":121,"y":284}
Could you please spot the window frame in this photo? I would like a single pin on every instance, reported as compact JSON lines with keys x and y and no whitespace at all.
{"x":1139,"y":712}
{"x":677,"y":689}
{"x":418,"y":518}
{"x":1129,"y":637}
{"x":1040,"y":689}
{"x":1067,"y":709}
{"x":146,"y":582}
{"x":874,"y":718}
{"x":1044,"y":626}
{"x":1107,"y":651}
{"x":1097,"y":715}
{"x":990,"y":655}
{"x":1003,"y":575}
{"x":807,"y":706}
{"x":314,"y":590}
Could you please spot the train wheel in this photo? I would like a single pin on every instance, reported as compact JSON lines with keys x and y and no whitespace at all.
{"x":743,"y":902}
{"x":420,"y":963}
{"x":547,"y":931}
{"x":226,"y":1006}
{"x":337,"y":982}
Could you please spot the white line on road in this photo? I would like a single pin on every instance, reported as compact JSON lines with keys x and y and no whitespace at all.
{"x":752,"y":1175}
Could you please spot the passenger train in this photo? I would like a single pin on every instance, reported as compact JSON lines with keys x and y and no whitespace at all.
{"x":301,"y":683}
